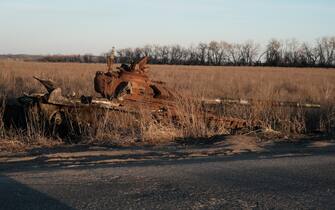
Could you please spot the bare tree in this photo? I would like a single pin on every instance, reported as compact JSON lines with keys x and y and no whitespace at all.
{"x":234,"y":52}
{"x":203,"y":53}
{"x":248,"y":53}
{"x":290,"y":53}
{"x":217,"y":52}
{"x":273,"y":53}
{"x":307,"y":55}
{"x":176,"y":54}
{"x":147,"y":50}
{"x":325,"y":49}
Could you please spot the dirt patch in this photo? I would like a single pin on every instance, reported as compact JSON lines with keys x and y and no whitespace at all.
{"x":322,"y":144}
{"x":240,"y":143}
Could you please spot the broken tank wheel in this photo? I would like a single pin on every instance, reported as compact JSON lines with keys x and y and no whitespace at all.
{"x":56,"y":118}
{"x":60,"y":126}
{"x":55,"y":123}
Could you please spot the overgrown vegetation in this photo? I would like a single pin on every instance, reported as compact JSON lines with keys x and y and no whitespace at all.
{"x":279,"y":84}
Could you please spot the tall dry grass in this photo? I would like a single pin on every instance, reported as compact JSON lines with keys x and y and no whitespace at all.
{"x":288,"y":84}
{"x":303,"y":85}
{"x":310,"y":85}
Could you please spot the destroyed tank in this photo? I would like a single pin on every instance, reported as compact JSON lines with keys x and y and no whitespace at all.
{"x":126,"y":89}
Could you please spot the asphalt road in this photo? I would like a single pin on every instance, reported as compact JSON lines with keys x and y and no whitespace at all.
{"x":250,"y":181}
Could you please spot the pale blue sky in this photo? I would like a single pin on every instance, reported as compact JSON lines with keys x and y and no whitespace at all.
{"x":94,"y":26}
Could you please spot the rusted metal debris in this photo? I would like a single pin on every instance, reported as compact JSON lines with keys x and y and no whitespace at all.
{"x":130,"y":83}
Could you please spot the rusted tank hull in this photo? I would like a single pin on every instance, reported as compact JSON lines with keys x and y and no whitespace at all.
{"x":126,"y":90}
{"x":61,"y":117}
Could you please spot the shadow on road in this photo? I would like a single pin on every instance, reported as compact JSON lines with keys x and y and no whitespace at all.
{"x":15,"y":195}
{"x":83,"y":156}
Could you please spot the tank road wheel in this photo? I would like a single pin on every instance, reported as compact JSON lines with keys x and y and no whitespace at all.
{"x":59,"y":125}
{"x":55,"y":121}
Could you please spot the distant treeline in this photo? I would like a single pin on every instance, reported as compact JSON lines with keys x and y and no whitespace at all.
{"x":74,"y":58}
{"x":289,"y":53}
{"x":21,"y":57}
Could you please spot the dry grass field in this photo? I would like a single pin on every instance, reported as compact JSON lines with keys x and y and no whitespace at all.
{"x":308,"y":85}
{"x":288,"y":84}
